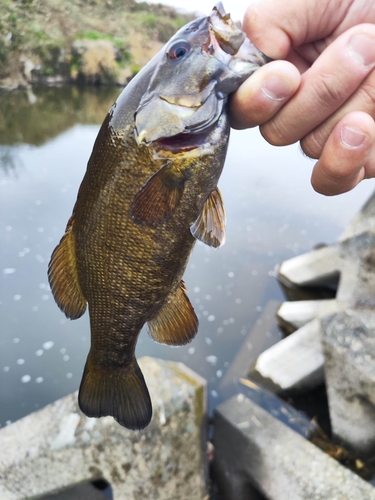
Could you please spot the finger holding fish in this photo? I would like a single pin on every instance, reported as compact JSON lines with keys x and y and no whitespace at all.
{"x":263,"y":95}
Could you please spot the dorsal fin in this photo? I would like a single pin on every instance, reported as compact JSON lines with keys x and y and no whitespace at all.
{"x":210,"y":225}
{"x":158,"y":199}
{"x":176,"y":322}
{"x":63,"y":276}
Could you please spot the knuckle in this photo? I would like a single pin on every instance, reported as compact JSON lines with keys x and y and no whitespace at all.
{"x":328,"y":93}
{"x":276,"y":133}
{"x":313,"y":143}
{"x":340,"y":172}
{"x":368,"y":93}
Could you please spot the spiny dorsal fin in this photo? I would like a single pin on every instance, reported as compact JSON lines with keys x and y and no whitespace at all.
{"x":119,"y":391}
{"x":210,"y":225}
{"x":63,"y":276}
{"x":158,"y":199}
{"x":176,"y":322}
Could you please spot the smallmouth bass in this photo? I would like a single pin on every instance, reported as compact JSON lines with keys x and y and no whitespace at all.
{"x":150,"y":190}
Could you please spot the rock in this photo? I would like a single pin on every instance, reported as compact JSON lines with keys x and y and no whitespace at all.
{"x":353,"y":259}
{"x":254,"y":448}
{"x":58,"y":446}
{"x":349,"y":349}
{"x":296,"y":363}
{"x":297,"y":314}
{"x":363,"y":221}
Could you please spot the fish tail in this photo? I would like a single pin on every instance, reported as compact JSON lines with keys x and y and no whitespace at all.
{"x":120,"y":392}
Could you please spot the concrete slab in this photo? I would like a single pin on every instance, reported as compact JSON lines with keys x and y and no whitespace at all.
{"x":353,"y":259}
{"x":362,"y":222}
{"x":349,"y":349}
{"x":294,"y":364}
{"x":252,"y":447}
{"x":297,"y":314}
{"x":58,"y":446}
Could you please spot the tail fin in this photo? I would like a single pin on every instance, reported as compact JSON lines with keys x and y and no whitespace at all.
{"x":121,"y":393}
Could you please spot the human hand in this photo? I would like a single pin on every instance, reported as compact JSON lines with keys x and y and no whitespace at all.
{"x":321,"y":92}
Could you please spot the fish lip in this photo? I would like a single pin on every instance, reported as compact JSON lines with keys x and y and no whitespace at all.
{"x":224,"y":34}
{"x":230,"y":45}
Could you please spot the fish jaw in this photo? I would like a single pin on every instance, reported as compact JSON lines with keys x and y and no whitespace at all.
{"x":200,"y":66}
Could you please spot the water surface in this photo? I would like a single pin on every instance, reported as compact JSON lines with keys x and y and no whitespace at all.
{"x":46,"y":137}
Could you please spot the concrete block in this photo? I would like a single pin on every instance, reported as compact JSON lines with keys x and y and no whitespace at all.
{"x":362,"y":222}
{"x":349,"y":349}
{"x":251,"y":446}
{"x":296,"y":363}
{"x":353,"y":259}
{"x":297,"y":314}
{"x":58,"y":446}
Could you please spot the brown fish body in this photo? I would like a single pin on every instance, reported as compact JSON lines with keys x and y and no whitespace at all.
{"x":150,"y":190}
{"x":127,"y":270}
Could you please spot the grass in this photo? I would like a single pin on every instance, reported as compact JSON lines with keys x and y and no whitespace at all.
{"x":44,"y":31}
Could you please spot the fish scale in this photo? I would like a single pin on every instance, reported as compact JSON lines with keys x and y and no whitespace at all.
{"x":149,"y":192}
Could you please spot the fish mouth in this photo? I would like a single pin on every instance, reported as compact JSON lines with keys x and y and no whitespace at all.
{"x":181,"y":143}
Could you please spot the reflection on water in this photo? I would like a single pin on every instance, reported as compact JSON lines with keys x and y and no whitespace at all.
{"x":273,"y":214}
{"x":38,"y":115}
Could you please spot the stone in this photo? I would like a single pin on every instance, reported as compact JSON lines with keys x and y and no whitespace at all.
{"x":254,"y":449}
{"x":353,"y":259}
{"x":297,"y":314}
{"x":58,"y":446}
{"x":349,"y":350}
{"x":361,"y":222}
{"x":296,"y":363}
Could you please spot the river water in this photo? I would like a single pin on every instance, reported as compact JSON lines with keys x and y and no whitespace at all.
{"x":46,"y":136}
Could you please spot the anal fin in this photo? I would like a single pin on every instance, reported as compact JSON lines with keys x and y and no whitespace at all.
{"x":120,"y":392}
{"x":159,"y":197}
{"x":210,"y":225}
{"x":63,"y":276}
{"x":176,"y":323}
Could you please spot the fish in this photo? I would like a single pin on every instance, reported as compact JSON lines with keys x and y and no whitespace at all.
{"x":149,"y":192}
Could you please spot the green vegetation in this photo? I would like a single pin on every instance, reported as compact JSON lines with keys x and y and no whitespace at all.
{"x":52,"y":39}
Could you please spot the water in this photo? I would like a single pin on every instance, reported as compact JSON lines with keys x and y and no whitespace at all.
{"x":46,"y":138}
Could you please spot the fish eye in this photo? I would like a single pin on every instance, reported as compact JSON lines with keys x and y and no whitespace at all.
{"x":178,"y":50}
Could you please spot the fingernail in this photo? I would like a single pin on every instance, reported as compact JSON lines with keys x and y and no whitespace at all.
{"x":276,"y":88}
{"x":362,"y":49}
{"x":352,"y":137}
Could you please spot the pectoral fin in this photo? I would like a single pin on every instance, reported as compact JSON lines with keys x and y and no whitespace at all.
{"x":210,"y":225}
{"x":176,"y":323}
{"x":158,"y":199}
{"x":63,"y":276}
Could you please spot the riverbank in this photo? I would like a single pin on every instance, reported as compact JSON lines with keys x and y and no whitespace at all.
{"x":98,"y":42}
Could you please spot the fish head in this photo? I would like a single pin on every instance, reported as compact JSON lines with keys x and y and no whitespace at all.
{"x":198,"y":68}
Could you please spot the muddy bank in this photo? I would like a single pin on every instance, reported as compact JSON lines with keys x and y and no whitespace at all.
{"x":78,"y":41}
